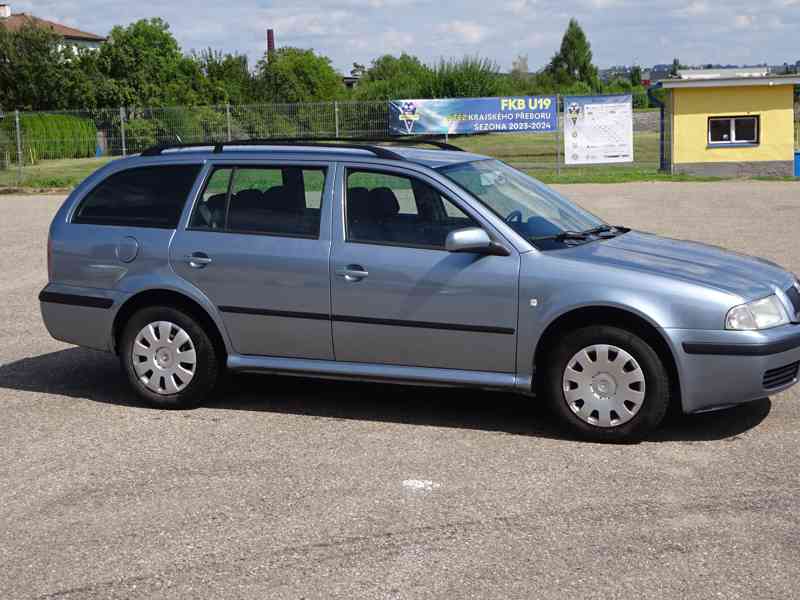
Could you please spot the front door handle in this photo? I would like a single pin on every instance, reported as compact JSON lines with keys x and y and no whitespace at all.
{"x":198,"y":260}
{"x":352,"y":272}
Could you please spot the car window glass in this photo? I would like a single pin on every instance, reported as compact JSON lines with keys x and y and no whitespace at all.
{"x":387,"y":208}
{"x":140,"y":197}
{"x":210,"y":210}
{"x":280,"y":200}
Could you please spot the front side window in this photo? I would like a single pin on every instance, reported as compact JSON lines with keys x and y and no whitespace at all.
{"x":268,"y":200}
{"x":385,"y":208}
{"x":140,"y":197}
{"x":529,"y":207}
{"x":733,"y":130}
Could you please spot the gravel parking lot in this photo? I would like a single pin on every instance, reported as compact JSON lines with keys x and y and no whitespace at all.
{"x":295,"y":488}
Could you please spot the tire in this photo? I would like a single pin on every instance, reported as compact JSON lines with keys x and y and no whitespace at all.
{"x":627,"y":379}
{"x":179,"y":368}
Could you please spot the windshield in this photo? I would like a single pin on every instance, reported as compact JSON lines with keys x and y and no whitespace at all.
{"x":531,"y":208}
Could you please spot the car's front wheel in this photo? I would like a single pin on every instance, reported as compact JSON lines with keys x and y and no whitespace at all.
{"x":168,"y":357}
{"x":606,"y":383}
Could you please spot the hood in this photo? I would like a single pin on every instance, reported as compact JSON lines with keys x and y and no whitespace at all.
{"x":702,"y":264}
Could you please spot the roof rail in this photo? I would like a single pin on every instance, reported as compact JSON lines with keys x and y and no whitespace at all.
{"x":371,"y":140}
{"x":366,"y":144}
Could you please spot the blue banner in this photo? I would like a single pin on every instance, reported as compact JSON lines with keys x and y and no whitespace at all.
{"x":473,"y":115}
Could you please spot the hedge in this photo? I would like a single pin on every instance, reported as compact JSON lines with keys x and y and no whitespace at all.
{"x":51,"y":136}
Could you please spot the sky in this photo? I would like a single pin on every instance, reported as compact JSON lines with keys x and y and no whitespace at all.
{"x":643,"y":32}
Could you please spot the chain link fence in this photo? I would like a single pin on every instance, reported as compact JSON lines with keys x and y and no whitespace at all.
{"x":59,"y":148}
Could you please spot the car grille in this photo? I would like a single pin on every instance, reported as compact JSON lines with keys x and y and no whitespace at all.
{"x":793,"y":294}
{"x":775,"y":378}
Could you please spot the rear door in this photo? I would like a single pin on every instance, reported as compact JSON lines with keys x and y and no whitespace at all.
{"x":399,"y":297}
{"x":258,"y":245}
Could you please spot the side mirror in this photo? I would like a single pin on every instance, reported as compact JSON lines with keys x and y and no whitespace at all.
{"x":475,"y":240}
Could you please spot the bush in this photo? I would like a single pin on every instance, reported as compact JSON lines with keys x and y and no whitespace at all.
{"x":140,"y":134}
{"x":53,"y":136}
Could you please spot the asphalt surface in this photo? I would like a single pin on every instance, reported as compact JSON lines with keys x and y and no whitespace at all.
{"x":295,"y":488}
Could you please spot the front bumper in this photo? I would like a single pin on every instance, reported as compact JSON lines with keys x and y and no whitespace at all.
{"x":718,"y":369}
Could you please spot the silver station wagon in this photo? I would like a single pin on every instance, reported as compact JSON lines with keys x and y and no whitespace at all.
{"x":400,"y":264}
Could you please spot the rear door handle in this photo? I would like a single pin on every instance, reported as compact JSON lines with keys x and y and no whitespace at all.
{"x":352,"y":272}
{"x":198,"y":260}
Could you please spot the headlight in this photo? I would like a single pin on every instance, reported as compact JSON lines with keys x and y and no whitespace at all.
{"x":759,"y":314}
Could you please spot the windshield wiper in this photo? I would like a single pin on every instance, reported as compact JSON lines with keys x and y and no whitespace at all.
{"x":581,"y":236}
{"x":600,"y":229}
{"x":563,"y":236}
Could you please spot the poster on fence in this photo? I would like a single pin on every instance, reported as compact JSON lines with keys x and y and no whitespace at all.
{"x":598,"y":129}
{"x":473,"y":115}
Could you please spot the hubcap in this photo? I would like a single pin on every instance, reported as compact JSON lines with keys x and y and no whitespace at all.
{"x":604,"y":385}
{"x":164,"y":358}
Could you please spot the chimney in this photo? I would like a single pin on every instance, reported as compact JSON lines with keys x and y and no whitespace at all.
{"x":270,"y":43}
{"x":5,"y":11}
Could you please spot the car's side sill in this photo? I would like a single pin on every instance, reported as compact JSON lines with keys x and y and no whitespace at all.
{"x":378,"y":372}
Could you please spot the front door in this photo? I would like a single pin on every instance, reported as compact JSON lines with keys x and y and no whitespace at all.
{"x":399,"y":297}
{"x":258,"y":245}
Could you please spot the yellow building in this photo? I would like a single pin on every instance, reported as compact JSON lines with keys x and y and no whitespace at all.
{"x":730,"y":126}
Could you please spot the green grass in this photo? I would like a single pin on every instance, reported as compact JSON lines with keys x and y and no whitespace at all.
{"x":66,"y":173}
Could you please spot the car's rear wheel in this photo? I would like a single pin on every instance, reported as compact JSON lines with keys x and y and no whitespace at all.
{"x":168,"y":357}
{"x":606,"y":384}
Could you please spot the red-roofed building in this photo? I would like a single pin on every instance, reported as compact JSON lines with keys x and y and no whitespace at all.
{"x":71,"y":36}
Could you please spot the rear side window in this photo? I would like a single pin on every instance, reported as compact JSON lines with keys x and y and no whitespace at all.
{"x":280,"y":200}
{"x":141,"y":197}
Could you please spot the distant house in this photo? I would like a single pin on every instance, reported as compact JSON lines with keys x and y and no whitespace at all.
{"x":74,"y":38}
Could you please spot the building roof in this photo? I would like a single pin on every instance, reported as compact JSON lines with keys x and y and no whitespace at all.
{"x":712,"y":82}
{"x":17,"y":21}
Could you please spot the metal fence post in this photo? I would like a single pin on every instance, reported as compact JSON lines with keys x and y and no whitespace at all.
{"x":122,"y":130}
{"x":19,"y":147}
{"x":336,"y":117}
{"x":558,"y":134}
{"x":228,"y":119}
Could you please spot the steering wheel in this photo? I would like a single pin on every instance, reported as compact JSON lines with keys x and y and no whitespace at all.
{"x":515,"y":216}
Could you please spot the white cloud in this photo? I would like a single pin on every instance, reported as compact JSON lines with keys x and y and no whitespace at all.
{"x":692,"y":9}
{"x":651,"y":31}
{"x":519,"y":7}
{"x":467,"y":31}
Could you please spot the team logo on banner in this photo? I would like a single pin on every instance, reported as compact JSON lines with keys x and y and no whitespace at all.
{"x":574,"y":112}
{"x":408,"y":115}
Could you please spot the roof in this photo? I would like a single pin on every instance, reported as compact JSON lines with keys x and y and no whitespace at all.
{"x":713,"y":82}
{"x":18,"y":21}
{"x":428,"y":158}
{"x":723,"y":73}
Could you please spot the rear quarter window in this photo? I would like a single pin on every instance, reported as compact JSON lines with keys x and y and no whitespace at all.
{"x":140,"y":197}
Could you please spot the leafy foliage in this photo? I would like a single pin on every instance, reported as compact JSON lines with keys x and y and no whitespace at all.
{"x":296,"y":75}
{"x":49,"y":136}
{"x":573,"y":62}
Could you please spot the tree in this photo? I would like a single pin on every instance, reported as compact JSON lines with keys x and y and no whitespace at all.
{"x":636,"y":75}
{"x":143,"y":65}
{"x":469,"y":77}
{"x":392,"y":77}
{"x":228,"y":74}
{"x":573,"y":62}
{"x":296,"y":75}
{"x":358,"y":70}
{"x":676,"y":66}
{"x":33,"y":69}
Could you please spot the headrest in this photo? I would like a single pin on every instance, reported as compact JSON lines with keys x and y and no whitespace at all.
{"x":280,"y":199}
{"x":383,"y":203}
{"x":248,"y":199}
{"x":358,"y":203}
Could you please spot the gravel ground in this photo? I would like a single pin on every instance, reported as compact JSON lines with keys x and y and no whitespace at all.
{"x":293,"y":488}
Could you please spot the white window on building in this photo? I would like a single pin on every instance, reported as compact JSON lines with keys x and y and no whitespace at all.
{"x":733,"y":130}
